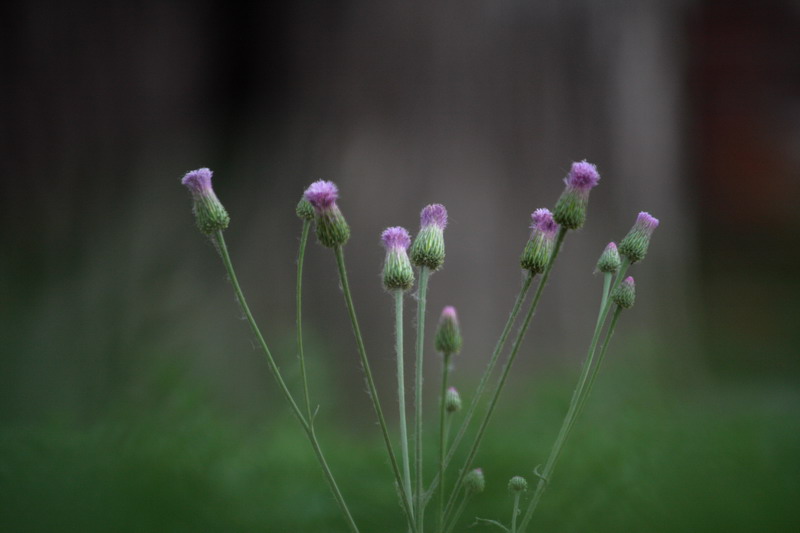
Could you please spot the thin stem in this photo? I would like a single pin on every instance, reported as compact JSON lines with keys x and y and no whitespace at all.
{"x":512,"y":318}
{"x":373,"y":392}
{"x":454,"y":520}
{"x":515,"y":513}
{"x":574,"y":407}
{"x":424,"y":274}
{"x":306,"y":424}
{"x":507,"y":368}
{"x":600,"y":358}
{"x":442,"y":435}
{"x":299,"y":307}
{"x":401,"y":390}
{"x":606,"y":290}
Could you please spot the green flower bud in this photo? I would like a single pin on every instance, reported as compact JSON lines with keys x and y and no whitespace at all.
{"x":474,"y":482}
{"x":428,"y":248}
{"x":517,"y":484}
{"x":570,"y":210}
{"x":332,"y":228}
{"x":397,"y":271}
{"x":304,"y":209}
{"x":452,"y":401}
{"x":209,"y":213}
{"x":448,"y":334}
{"x":609,"y":261}
{"x":540,"y":246}
{"x":634,"y":245}
{"x":625,"y":293}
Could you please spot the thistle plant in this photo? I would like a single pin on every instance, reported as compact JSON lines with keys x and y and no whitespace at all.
{"x":319,"y":207}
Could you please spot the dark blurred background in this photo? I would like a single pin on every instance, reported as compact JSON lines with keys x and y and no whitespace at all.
{"x":131,"y":395}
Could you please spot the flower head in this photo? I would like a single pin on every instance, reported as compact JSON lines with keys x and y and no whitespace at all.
{"x":428,"y":248}
{"x":322,"y":194}
{"x":332,"y":228}
{"x":209,"y":212}
{"x":570,"y":211}
{"x":624,"y":295}
{"x":517,"y":484}
{"x":452,"y":400}
{"x":634,"y":245}
{"x":397,"y":271}
{"x":609,"y":261}
{"x":474,"y":482}
{"x":448,"y":333}
{"x":541,"y":243}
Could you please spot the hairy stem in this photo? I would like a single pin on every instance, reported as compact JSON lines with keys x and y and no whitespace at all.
{"x":373,"y":392}
{"x":424,"y":274}
{"x":515,"y":512}
{"x":442,"y":435}
{"x":299,"y":309}
{"x":401,"y":391}
{"x":306,"y":424}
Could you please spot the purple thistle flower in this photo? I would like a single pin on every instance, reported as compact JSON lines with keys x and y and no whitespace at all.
{"x":434,"y":215}
{"x":198,"y":181}
{"x":322,"y":195}
{"x":542,"y":222}
{"x":634,"y":245}
{"x":646,"y":222}
{"x":583,"y":176}
{"x":396,"y":238}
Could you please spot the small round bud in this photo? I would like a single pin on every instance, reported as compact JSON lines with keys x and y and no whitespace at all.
{"x":634,"y":245}
{"x":332,"y":228}
{"x":625,"y":293}
{"x":448,"y":334}
{"x":208,"y":211}
{"x":304,"y":209}
{"x":517,"y":484}
{"x":570,"y":210}
{"x":474,"y":482}
{"x":539,"y":248}
{"x":609,"y":261}
{"x":428,"y":247}
{"x":397,"y":271}
{"x":452,"y":400}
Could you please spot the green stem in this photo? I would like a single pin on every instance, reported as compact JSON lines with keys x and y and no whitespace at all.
{"x":442,"y":435}
{"x":373,"y":392}
{"x":299,"y":307}
{"x":401,"y":391}
{"x":606,"y":290}
{"x":515,"y":513}
{"x":307,"y":427}
{"x":600,"y":358}
{"x":454,"y":520}
{"x":512,"y":318}
{"x":507,"y":368}
{"x":424,"y":274}
{"x":574,"y":407}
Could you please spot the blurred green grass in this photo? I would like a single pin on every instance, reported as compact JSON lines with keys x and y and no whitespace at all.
{"x":644,"y":457}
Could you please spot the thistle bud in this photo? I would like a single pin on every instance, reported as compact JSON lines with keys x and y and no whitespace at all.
{"x":397,"y":271}
{"x":332,"y":228}
{"x":625,"y":293}
{"x":609,"y":261}
{"x":517,"y":484}
{"x":448,"y":335}
{"x":542,"y":242}
{"x":570,"y":211}
{"x":634,"y":245}
{"x":304,"y":209}
{"x":452,"y":400}
{"x":208,"y":211}
{"x":428,"y":247}
{"x":474,"y":482}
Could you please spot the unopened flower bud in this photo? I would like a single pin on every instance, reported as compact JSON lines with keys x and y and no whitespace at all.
{"x":570,"y":210}
{"x":625,"y":293}
{"x":397,"y":271}
{"x":452,"y":400}
{"x":428,"y":247}
{"x":304,"y":209}
{"x":542,"y":242}
{"x":448,"y":334}
{"x":517,"y":484}
{"x":474,"y":482}
{"x":609,"y":261}
{"x":332,"y":228}
{"x":634,"y":245}
{"x":208,"y":211}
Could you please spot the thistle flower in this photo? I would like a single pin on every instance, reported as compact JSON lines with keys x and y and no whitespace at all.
{"x":474,"y":482}
{"x":448,"y":334}
{"x":625,"y":293}
{"x":332,"y":229}
{"x":208,"y":211}
{"x":397,"y":271}
{"x":428,"y":247}
{"x":634,"y":245}
{"x":517,"y":484}
{"x":541,"y":243}
{"x":609,"y":261}
{"x":570,"y":210}
{"x":452,"y":400}
{"x":304,"y":209}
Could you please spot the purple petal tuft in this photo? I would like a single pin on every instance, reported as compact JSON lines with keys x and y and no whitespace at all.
{"x":629,"y":281}
{"x":542,"y":221}
{"x":322,"y":194}
{"x":198,"y":181}
{"x":396,"y":237}
{"x":647,"y":222}
{"x":611,"y":246}
{"x":449,"y":312}
{"x":582,"y":176}
{"x":434,"y":215}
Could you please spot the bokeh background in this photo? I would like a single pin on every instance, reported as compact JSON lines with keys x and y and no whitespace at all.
{"x":131,"y":395}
